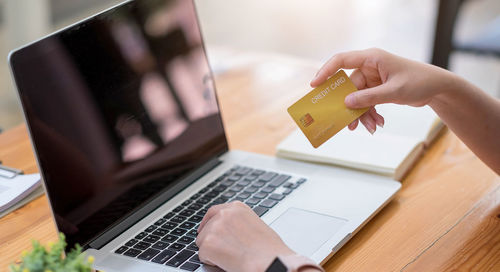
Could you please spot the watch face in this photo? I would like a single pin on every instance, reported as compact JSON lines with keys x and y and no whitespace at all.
{"x":277,"y":266}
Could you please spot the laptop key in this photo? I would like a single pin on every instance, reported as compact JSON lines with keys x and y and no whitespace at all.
{"x":277,"y":181}
{"x":190,"y":266}
{"x":251,"y":189}
{"x":228,"y":194}
{"x":302,"y":180}
{"x":243,"y":196}
{"x":202,"y":212}
{"x":131,"y":242}
{"x":220,"y":188}
{"x":213,"y":184}
{"x":202,"y":201}
{"x":258,"y":184}
{"x":267,"y":189}
{"x":178,"y":231}
{"x":132,"y":252}
{"x":163,"y":256}
{"x":187,"y":213}
{"x":178,"y":219}
{"x":212,"y":194}
{"x":287,"y":191}
{"x":148,"y":254}
{"x":151,"y":239}
{"x":186,"y":240}
{"x":176,"y":246}
{"x":268,"y":176}
{"x":141,"y":235}
{"x":236,"y":188}
{"x":192,"y":233}
{"x":160,"y":245}
{"x":170,"y":214}
{"x":276,"y":197}
{"x":142,"y":245}
{"x":234,"y":178}
{"x":169,"y":225}
{"x":204,"y":190}
{"x":242,"y":171}
{"x":250,"y":178}
{"x":150,"y":228}
{"x":244,"y":183}
{"x":195,"y":218}
{"x":169,"y":238}
{"x":160,"y":232}
{"x":268,"y":203}
{"x":260,"y":195}
{"x":253,"y":201}
{"x":178,"y":209}
{"x":160,"y":221}
{"x":180,"y":258}
{"x":260,"y":211}
{"x":227,"y":183}
{"x":187,"y":202}
{"x":195,"y":207}
{"x":195,"y":259}
{"x":257,"y":172}
{"x":193,"y":246}
{"x":121,"y":249}
{"x":187,"y":225}
{"x":195,"y":196}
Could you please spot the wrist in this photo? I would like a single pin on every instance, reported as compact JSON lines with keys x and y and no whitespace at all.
{"x":450,"y":86}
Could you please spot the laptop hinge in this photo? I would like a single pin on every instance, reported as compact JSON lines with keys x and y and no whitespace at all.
{"x":133,"y":218}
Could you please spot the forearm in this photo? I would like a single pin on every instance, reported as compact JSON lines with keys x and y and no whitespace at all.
{"x":473,"y":116}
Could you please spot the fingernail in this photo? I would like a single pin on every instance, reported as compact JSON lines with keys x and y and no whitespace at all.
{"x":371,"y":130}
{"x":380,"y":123}
{"x":350,"y":101}
{"x":314,"y":78}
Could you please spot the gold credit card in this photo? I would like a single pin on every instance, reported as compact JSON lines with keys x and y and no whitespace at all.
{"x":321,"y":113}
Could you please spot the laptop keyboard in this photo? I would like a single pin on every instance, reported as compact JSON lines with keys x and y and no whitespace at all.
{"x":171,"y":239}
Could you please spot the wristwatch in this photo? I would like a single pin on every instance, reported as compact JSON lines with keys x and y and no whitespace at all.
{"x":292,"y":263}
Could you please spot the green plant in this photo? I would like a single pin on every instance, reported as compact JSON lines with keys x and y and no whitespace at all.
{"x":41,"y":259}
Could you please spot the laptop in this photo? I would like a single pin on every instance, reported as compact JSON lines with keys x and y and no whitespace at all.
{"x":126,"y":128}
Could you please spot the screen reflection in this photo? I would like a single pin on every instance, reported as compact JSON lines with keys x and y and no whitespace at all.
{"x":119,"y":107}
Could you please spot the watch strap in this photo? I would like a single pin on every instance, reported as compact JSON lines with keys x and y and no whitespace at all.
{"x":295,"y":263}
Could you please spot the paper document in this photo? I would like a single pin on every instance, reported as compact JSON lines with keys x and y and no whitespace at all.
{"x":15,"y":189}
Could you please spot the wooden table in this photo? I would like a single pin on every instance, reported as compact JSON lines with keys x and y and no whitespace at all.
{"x":447,"y":215}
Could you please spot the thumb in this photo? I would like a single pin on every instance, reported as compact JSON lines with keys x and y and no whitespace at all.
{"x":368,"y":97}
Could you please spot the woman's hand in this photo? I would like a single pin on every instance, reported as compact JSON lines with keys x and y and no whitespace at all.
{"x":232,"y":237}
{"x":381,"y":78}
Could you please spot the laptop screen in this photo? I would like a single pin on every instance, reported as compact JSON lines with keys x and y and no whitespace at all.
{"x":120,"y":107}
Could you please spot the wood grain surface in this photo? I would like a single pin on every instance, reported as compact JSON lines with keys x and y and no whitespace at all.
{"x":445,"y":218}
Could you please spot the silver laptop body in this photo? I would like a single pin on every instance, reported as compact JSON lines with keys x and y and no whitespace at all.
{"x":125,"y":125}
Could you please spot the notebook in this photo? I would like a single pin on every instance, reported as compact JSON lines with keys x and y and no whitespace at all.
{"x":17,"y":190}
{"x":391,"y":151}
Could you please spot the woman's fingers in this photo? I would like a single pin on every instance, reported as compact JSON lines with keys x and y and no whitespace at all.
{"x":358,"y":79}
{"x":353,"y":125}
{"x":349,"y":60}
{"x":379,"y":119}
{"x":369,"y":97}
{"x":368,"y":121}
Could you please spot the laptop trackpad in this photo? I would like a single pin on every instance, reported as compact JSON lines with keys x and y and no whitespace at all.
{"x":305,"y":231}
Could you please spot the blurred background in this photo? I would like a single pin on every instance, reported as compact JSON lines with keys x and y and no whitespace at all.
{"x":468,"y":31}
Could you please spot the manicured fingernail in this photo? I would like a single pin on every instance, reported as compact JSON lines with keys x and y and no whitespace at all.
{"x":380,"y":123}
{"x":371,"y":130}
{"x":350,"y":100}
{"x":314,"y":78}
